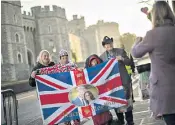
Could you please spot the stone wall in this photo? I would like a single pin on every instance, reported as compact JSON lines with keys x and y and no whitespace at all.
{"x":90,"y":37}
{"x":13,"y":42}
{"x":8,"y":72}
{"x":22,"y":71}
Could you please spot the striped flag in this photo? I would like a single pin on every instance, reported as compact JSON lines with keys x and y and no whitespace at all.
{"x":59,"y":93}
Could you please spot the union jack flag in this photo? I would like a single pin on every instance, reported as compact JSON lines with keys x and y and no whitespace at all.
{"x":53,"y":91}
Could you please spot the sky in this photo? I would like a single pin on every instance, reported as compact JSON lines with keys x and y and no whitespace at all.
{"x":125,"y":12}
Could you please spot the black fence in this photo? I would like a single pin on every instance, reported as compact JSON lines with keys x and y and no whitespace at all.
{"x":9,"y":105}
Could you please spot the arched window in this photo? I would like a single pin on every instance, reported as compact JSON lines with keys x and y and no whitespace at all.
{"x":27,"y":29}
{"x":24,"y":28}
{"x":15,"y":19}
{"x":49,"y":29}
{"x":17,"y":38}
{"x":19,"y":57}
{"x":1,"y":59}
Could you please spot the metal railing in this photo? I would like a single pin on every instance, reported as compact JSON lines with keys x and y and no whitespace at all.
{"x":9,"y":105}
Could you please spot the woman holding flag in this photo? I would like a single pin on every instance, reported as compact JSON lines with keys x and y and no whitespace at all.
{"x":43,"y":60}
{"x":64,"y":65}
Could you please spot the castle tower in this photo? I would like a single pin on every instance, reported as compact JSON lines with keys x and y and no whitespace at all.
{"x":77,"y":25}
{"x":13,"y":47}
{"x":30,"y":38}
{"x":51,"y":29}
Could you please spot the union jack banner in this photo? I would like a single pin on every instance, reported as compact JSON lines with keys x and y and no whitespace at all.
{"x":59,"y":93}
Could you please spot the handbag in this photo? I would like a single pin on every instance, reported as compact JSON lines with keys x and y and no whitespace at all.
{"x":143,"y":68}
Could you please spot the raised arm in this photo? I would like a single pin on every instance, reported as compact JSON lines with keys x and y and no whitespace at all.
{"x":140,"y":48}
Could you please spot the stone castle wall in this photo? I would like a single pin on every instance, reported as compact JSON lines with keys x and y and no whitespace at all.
{"x":41,"y":29}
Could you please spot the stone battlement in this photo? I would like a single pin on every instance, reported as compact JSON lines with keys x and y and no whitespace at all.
{"x":46,"y":11}
{"x":75,"y":17}
{"x":101,"y":22}
{"x":28,"y":15}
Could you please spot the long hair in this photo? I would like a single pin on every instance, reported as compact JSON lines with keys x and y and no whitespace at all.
{"x":91,"y":96}
{"x":40,"y":55}
{"x":161,"y":11}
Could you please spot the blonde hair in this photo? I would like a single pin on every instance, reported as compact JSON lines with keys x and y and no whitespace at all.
{"x":39,"y":59}
{"x":160,"y":12}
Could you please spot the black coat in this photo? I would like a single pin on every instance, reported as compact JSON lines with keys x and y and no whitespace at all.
{"x":132,"y":64}
{"x":38,"y":66}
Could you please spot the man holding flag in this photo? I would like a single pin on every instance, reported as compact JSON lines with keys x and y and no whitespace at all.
{"x":123,"y":60}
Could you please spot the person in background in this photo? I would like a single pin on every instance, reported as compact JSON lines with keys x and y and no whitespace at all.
{"x":43,"y":60}
{"x":144,"y":68}
{"x":160,"y":44}
{"x":132,"y":65}
{"x":131,"y":72}
{"x":104,"y":118}
{"x":123,"y":60}
{"x":130,"y":69}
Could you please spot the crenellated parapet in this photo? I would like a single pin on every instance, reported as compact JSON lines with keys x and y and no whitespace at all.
{"x":28,"y":15}
{"x":75,"y":17}
{"x":46,"y":11}
{"x":101,"y":22}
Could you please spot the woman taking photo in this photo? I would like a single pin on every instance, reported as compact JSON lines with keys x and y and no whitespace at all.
{"x":160,"y":44}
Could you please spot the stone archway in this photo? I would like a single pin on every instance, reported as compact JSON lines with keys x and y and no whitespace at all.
{"x":30,"y":60}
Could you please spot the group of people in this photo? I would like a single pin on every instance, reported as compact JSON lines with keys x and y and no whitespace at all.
{"x":46,"y":66}
{"x":158,"y":42}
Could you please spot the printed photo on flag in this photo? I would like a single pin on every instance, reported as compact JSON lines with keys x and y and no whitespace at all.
{"x":83,"y":95}
{"x":80,"y":94}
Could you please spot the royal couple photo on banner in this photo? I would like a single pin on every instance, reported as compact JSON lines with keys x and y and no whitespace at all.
{"x":83,"y":95}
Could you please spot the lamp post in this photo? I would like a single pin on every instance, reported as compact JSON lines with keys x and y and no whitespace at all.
{"x":54,"y":50}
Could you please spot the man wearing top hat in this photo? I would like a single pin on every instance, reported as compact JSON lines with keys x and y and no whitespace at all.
{"x":123,"y":60}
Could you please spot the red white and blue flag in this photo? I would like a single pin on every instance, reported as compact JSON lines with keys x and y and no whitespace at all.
{"x":53,"y":91}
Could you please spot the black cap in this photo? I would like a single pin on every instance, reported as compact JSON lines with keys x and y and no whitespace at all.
{"x":107,"y":40}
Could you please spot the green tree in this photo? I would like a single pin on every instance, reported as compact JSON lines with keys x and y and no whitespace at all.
{"x":127,"y":40}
